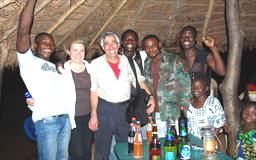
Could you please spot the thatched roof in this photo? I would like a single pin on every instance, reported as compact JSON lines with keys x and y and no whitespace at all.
{"x":86,"y":19}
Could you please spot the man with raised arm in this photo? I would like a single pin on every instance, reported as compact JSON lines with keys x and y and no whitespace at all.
{"x":50,"y":110}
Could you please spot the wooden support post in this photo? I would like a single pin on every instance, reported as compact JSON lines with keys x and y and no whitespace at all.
{"x":207,"y":17}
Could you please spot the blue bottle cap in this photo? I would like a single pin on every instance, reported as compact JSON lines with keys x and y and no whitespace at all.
{"x":27,"y":95}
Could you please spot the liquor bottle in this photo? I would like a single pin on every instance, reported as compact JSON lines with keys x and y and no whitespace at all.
{"x":183,"y":123}
{"x":131,"y":138}
{"x":149,"y":129}
{"x":155,"y":146}
{"x":184,"y":148}
{"x":137,"y":146}
{"x":170,"y":144}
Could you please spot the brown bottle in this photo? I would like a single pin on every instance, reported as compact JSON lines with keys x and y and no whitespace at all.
{"x":155,"y":146}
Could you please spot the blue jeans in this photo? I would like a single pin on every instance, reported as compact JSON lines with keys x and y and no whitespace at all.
{"x":53,"y":134}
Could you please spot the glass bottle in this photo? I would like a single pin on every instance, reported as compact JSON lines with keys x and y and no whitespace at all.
{"x":137,"y":146}
{"x":155,"y":146}
{"x":184,"y":148}
{"x":133,"y":120}
{"x":184,"y":145}
{"x":131,"y":136}
{"x":149,"y":129}
{"x":183,"y":123}
{"x":170,"y":145}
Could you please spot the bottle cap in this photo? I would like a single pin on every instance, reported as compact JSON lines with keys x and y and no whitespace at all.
{"x":27,"y":95}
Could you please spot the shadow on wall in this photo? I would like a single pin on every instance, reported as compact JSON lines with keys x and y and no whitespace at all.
{"x":13,"y":111}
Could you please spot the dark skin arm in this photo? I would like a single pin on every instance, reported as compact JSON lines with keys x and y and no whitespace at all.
{"x":23,"y":34}
{"x":214,"y":59}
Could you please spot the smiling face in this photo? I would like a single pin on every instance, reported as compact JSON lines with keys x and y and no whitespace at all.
{"x":110,"y":46}
{"x":152,"y":47}
{"x":129,"y":43}
{"x":199,"y":88}
{"x":44,"y":46}
{"x":77,"y":52}
{"x":249,"y":113}
{"x":187,"y":38}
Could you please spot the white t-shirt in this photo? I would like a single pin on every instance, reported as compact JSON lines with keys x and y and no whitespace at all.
{"x":46,"y":86}
{"x":211,"y":113}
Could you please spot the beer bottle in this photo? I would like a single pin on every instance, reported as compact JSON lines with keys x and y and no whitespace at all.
{"x":183,"y":123}
{"x":184,"y":148}
{"x":155,"y":146}
{"x":133,"y":120}
{"x":131,"y":138}
{"x":170,"y":144}
{"x":149,"y":129}
{"x":137,"y":146}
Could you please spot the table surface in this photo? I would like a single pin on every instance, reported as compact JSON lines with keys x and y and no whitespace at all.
{"x":121,"y":150}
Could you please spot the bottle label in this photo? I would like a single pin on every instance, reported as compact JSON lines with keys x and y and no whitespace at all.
{"x":139,"y":137}
{"x":156,"y":157}
{"x":183,"y":131}
{"x":149,"y":127}
{"x":130,"y":139}
{"x":169,"y":156}
{"x":185,"y":152}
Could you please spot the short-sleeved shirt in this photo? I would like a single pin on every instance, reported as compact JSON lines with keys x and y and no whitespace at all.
{"x":246,"y":145}
{"x":44,"y":84}
{"x":210,"y":114}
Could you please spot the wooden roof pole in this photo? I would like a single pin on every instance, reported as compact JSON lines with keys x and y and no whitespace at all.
{"x":64,"y":16}
{"x":7,"y":2}
{"x":208,"y":17}
{"x":64,"y":37}
{"x":134,"y":19}
{"x":108,"y":21}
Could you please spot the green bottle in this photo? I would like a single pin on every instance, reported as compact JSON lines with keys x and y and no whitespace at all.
{"x":170,"y":146}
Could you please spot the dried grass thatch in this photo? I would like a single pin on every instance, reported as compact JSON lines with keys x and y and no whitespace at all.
{"x":86,"y":19}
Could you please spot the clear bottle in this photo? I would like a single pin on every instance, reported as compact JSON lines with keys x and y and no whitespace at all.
{"x":131,"y":136}
{"x":137,"y":146}
{"x":149,"y":129}
{"x":155,"y":146}
{"x":170,"y":144}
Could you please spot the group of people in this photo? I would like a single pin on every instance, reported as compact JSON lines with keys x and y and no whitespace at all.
{"x":85,"y":102}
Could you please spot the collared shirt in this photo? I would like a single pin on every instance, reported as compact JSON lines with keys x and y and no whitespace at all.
{"x":105,"y":83}
{"x":173,"y":86}
{"x":46,"y":86}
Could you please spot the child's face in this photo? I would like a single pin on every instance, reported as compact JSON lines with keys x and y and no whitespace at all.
{"x":249,"y":115}
{"x":198,"y":88}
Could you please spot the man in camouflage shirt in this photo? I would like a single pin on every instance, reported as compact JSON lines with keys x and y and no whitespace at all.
{"x":168,"y":76}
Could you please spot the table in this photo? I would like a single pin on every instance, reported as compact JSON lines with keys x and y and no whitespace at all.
{"x":121,"y":150}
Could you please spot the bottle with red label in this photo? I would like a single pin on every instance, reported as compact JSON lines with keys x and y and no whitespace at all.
{"x":155,"y":146}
